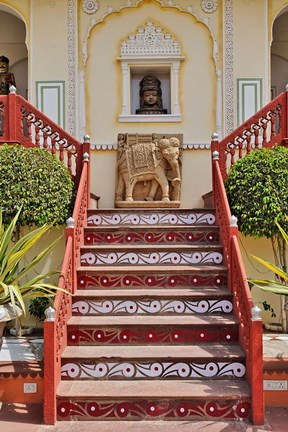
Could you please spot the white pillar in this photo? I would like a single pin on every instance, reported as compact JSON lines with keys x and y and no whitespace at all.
{"x":125,"y":88}
{"x":175,"y":78}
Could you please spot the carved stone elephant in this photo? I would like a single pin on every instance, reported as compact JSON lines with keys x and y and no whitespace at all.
{"x":149,"y":161}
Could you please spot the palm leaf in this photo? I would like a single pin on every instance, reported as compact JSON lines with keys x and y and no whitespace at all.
{"x":273,"y":268}
{"x":270,"y":286}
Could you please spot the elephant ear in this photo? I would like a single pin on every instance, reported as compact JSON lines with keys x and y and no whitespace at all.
{"x":157,"y":156}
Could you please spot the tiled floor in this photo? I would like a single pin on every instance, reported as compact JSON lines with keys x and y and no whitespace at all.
{"x":28,"y":417}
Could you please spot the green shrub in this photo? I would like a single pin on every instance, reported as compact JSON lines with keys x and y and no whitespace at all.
{"x":257,"y":190}
{"x":37,"y":181}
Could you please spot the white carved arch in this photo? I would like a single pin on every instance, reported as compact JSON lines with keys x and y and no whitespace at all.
{"x":114,"y":10}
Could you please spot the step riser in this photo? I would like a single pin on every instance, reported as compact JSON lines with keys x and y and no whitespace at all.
{"x":146,"y":237}
{"x":150,"y":307}
{"x":154,"y":369}
{"x":160,"y":280}
{"x":161,"y":335}
{"x":148,"y":218}
{"x":212,"y":409}
{"x":94,"y":258}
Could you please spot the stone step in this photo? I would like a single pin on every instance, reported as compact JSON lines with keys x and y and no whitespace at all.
{"x":151,"y":302}
{"x":147,"y":217}
{"x":159,"y":362}
{"x":151,"y":235}
{"x":157,"y":329}
{"x":165,"y":399}
{"x":151,"y":255}
{"x":151,"y":277}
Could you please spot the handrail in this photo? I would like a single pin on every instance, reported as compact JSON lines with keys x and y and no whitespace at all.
{"x":250,"y":331}
{"x":55,"y":332}
{"x":55,"y":335}
{"x":266,"y":128}
{"x":21,"y":122}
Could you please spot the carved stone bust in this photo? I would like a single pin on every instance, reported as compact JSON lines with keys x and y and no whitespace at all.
{"x":150,"y":94}
{"x":6,"y":78}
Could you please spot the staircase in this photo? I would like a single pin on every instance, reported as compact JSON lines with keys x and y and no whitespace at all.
{"x":152,"y":334}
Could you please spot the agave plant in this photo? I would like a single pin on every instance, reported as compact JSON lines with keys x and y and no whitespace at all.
{"x":14,"y":289}
{"x":278,"y":286}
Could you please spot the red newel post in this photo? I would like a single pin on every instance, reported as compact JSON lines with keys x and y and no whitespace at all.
{"x":256,"y":359}
{"x":12,"y":115}
{"x":50,"y":372}
{"x":86,"y":159}
{"x":215,"y":156}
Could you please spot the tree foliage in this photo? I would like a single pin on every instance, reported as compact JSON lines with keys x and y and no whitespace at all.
{"x":257,"y":190}
{"x":37,"y":181}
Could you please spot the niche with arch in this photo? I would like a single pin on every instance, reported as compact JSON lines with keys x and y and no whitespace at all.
{"x":150,"y":51}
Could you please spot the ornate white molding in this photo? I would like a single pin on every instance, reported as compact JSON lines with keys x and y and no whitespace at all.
{"x":150,"y":40}
{"x":229,"y":100}
{"x":186,"y":146}
{"x":90,"y":6}
{"x":110,"y":10}
{"x":209,"y":6}
{"x":72,"y":55}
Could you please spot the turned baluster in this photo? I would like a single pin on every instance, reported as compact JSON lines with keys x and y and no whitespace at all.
{"x":53,"y":146}
{"x":256,"y":134}
{"x":37,"y":136}
{"x":45,"y":140}
{"x":264,"y":137}
{"x":232,"y":153}
{"x":248,"y":140}
{"x":61,"y":154}
{"x":273,"y":119}
{"x":69,"y":161}
{"x":29,"y":132}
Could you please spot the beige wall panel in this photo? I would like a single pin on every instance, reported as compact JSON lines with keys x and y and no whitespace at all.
{"x":103,"y":75}
{"x":50,"y":34}
{"x":249,"y":39}
{"x":261,"y":248}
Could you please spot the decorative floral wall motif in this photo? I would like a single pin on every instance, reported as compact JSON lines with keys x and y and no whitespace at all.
{"x":209,"y":6}
{"x":90,"y":6}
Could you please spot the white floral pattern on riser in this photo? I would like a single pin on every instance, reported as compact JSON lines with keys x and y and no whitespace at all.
{"x":155,"y":369}
{"x":103,"y":307}
{"x":152,"y":218}
{"x":118,"y":258}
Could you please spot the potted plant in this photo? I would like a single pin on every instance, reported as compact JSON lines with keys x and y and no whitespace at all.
{"x":41,"y":184}
{"x":257,"y":190}
{"x":14,"y":286}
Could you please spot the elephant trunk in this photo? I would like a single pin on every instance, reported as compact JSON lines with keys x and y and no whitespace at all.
{"x":176,"y":172}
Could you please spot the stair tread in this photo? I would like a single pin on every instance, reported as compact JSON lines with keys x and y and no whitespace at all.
{"x":112,"y":228}
{"x":152,"y":320}
{"x":150,"y":269}
{"x":154,"y":389}
{"x":154,"y":247}
{"x":153,"y":293}
{"x":190,"y":352}
{"x":151,"y":210}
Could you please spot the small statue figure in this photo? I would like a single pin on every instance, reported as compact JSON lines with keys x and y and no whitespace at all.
{"x":6,"y":78}
{"x":150,"y":96}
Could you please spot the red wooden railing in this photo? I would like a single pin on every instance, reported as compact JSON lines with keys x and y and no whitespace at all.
{"x":267,"y":128}
{"x":21,"y":122}
{"x":55,"y":328}
{"x":250,"y":328}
